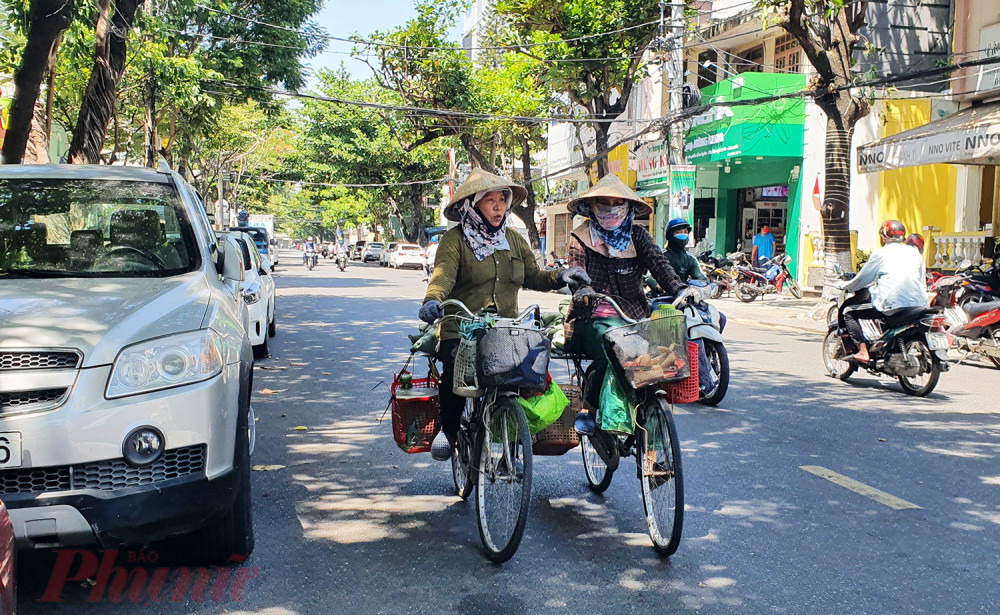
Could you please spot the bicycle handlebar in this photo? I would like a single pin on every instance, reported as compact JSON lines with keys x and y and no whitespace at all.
{"x":517,"y":319}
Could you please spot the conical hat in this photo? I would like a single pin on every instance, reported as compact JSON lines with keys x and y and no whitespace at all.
{"x":611,"y":187}
{"x":478,"y":181}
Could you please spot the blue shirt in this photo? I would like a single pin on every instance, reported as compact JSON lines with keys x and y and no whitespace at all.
{"x":764,"y":245}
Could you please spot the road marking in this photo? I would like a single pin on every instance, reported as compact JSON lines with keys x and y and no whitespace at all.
{"x":849,"y":483}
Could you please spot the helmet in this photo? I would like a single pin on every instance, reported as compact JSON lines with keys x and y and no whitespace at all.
{"x":309,"y":238}
{"x":917,"y":241}
{"x":892,"y":231}
{"x":243,"y":217}
{"x":677,"y":223}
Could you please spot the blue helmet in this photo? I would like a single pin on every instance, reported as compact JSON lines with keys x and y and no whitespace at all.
{"x":677,"y":223}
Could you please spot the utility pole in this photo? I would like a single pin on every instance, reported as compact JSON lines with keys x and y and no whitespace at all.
{"x":676,"y":60}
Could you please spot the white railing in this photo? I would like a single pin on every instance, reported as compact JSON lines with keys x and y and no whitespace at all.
{"x":948,"y":250}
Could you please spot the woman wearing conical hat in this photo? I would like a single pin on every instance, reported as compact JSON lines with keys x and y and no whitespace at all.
{"x":615,"y":253}
{"x":483,"y":264}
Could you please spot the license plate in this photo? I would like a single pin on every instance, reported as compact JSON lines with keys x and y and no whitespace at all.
{"x":938,"y":341}
{"x":10,"y":449}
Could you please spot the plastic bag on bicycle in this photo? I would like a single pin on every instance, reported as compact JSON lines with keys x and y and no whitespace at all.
{"x":615,"y":415}
{"x":513,"y":358}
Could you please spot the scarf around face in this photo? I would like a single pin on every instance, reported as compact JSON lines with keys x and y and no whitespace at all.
{"x":480,"y":235}
{"x":617,"y":238}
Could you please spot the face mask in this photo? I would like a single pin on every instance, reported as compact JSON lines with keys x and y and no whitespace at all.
{"x":682,"y":237}
{"x":610,"y":217}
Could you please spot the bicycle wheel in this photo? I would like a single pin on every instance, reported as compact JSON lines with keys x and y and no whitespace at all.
{"x":598,"y":474}
{"x":503,"y":484}
{"x":659,"y":464}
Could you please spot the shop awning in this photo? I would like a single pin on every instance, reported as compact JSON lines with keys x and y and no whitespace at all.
{"x":648,"y":193}
{"x":971,"y":136}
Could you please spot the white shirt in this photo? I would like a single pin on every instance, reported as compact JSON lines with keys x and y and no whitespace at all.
{"x":896,"y":274}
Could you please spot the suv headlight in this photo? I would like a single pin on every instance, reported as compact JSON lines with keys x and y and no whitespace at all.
{"x":165,"y":362}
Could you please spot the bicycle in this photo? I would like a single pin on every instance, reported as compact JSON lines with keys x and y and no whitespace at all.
{"x":493,"y":447}
{"x":654,"y":443}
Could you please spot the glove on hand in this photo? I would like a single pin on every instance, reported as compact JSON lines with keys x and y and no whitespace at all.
{"x":431,"y":311}
{"x":573,"y":275}
{"x":584,"y":296}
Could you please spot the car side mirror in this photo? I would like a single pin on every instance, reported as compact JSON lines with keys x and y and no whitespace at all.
{"x":262,"y":271}
{"x":229,"y":264}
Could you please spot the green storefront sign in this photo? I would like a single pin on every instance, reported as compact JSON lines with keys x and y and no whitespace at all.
{"x":769,"y":129}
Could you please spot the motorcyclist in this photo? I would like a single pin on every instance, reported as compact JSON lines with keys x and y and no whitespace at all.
{"x":310,"y":246}
{"x":483,"y":264}
{"x":895,"y":275}
{"x":686,"y":266}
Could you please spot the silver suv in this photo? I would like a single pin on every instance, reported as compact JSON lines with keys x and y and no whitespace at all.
{"x":125,"y":368}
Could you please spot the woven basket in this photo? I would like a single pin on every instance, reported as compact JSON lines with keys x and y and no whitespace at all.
{"x":415,"y":414}
{"x":686,"y":391}
{"x":560,"y":436}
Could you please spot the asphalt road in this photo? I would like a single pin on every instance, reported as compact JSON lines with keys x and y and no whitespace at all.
{"x":347,"y":523}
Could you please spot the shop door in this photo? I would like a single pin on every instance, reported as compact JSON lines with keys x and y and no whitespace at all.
{"x":748,"y":223}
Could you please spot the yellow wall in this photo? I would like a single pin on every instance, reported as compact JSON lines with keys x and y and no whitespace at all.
{"x":917,"y":196}
{"x":618,"y":165}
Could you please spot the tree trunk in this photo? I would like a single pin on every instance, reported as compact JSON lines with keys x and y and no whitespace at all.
{"x":47,"y":20}
{"x":50,"y":83}
{"x":835,"y":211}
{"x":100,"y":97}
{"x":526,"y":212}
{"x":601,"y":132}
{"x":150,"y":137}
{"x":416,"y":231}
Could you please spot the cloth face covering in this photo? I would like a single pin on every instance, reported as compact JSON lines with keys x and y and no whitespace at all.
{"x":619,"y":236}
{"x":480,"y":235}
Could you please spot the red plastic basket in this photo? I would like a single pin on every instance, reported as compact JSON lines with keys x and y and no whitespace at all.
{"x":415,"y":417}
{"x":686,"y":391}
{"x":560,"y":436}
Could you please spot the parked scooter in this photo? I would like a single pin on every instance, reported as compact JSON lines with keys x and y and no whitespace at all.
{"x":979,"y":285}
{"x":753,"y":282}
{"x":976,"y":326}
{"x":911,"y":345}
{"x":720,"y":271}
{"x":704,"y":324}
{"x":310,"y":259}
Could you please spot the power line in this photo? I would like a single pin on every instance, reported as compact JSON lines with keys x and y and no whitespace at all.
{"x":333,"y":185}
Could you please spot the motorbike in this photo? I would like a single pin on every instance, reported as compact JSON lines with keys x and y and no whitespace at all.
{"x":704,"y":327}
{"x":310,"y":259}
{"x":719,"y":270}
{"x":342,"y":261}
{"x":911,"y":345}
{"x":979,"y":285}
{"x":975,"y":326}
{"x":753,"y":282}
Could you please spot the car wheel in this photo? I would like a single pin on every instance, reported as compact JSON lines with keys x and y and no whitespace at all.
{"x":272,"y":327}
{"x":231,"y":539}
{"x":263,"y":350}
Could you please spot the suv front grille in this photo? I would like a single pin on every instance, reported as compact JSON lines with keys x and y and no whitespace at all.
{"x":109,"y":475}
{"x":10,"y":361}
{"x":23,"y":401}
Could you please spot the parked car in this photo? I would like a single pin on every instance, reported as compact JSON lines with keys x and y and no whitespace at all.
{"x":261,"y":242}
{"x":356,"y":250}
{"x":407,"y":255}
{"x":125,"y":367}
{"x":372,"y":251}
{"x":257,"y":289}
{"x":383,"y":259}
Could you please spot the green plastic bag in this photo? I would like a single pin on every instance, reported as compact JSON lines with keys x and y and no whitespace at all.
{"x":545,"y":409}
{"x":615,"y":414}
{"x":426,"y":343}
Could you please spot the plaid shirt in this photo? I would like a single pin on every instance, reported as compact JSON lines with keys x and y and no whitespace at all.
{"x":621,"y":278}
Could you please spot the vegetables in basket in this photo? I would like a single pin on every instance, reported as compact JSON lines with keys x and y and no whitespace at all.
{"x":650,"y":367}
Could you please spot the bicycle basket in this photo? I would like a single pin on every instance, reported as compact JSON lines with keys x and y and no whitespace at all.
{"x":650,"y":351}
{"x":466,"y":382}
{"x":513,"y":357}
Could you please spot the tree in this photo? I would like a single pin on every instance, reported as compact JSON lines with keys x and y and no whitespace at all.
{"x":99,"y":99}
{"x":47,"y":20}
{"x":827,"y":31}
{"x":598,"y":72}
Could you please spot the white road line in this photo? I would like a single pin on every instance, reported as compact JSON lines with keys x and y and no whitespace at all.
{"x":849,"y":483}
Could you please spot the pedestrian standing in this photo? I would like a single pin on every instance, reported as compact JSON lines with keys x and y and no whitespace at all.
{"x":763,"y":246}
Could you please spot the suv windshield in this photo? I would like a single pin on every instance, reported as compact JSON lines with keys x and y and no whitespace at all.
{"x":90,"y":228}
{"x":259,"y":236}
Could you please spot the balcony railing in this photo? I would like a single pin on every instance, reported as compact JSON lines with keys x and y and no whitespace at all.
{"x":948,"y":250}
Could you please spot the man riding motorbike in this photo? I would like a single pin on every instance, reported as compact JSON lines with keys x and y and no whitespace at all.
{"x":482,"y":263}
{"x":895,"y":274}
{"x":686,"y":266}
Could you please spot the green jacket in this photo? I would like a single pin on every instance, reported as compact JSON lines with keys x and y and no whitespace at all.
{"x":684,"y":264}
{"x":490,"y":284}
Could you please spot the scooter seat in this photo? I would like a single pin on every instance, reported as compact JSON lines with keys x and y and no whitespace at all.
{"x":975,"y":309}
{"x":903,"y":316}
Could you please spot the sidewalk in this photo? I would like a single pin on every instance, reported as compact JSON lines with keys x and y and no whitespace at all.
{"x":806,"y":315}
